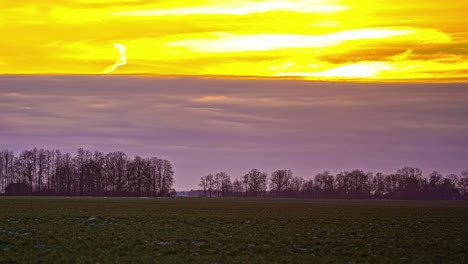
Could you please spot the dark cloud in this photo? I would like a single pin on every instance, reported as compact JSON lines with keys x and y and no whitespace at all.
{"x":205,"y":125}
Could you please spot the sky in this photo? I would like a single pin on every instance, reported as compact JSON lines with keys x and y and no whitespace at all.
{"x":220,"y":85}
{"x":307,"y":39}
{"x":208,"y":125}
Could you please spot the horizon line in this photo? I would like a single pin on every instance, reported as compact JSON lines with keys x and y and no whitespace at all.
{"x":254,"y":77}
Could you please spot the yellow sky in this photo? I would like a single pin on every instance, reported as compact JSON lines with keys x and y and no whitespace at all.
{"x":310,"y":39}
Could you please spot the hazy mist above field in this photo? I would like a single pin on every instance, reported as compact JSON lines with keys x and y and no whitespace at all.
{"x":208,"y":125}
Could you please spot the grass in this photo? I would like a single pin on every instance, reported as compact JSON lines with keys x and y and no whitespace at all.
{"x":231,"y":230}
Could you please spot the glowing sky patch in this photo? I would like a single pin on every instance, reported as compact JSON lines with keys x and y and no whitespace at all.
{"x":310,"y":39}
{"x":209,"y":98}
{"x":359,"y":70}
{"x":226,"y":42}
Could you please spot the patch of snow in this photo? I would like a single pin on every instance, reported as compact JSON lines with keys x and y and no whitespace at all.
{"x":9,"y":232}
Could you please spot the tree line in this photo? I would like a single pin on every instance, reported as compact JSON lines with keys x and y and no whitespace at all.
{"x":406,"y":183}
{"x":51,"y":172}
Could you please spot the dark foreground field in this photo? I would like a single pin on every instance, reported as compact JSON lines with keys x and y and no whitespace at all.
{"x":177,"y":230}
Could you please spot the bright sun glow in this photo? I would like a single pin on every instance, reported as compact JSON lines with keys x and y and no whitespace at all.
{"x":308,"y":39}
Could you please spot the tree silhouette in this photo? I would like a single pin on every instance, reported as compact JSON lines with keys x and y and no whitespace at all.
{"x":406,"y":183}
{"x":47,"y":172}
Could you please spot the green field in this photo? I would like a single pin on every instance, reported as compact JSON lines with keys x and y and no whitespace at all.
{"x":204,"y":230}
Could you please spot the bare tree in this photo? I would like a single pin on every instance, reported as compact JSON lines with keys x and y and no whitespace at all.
{"x":82,"y":165}
{"x":256,"y":183}
{"x":27,"y":167}
{"x":67,"y":172}
{"x":237,"y":187}
{"x":115,"y":168}
{"x":98,"y":171}
{"x":409,"y":184}
{"x":280,"y":180}
{"x":449,"y":187}
{"x":138,"y":170}
{"x":378,"y":185}
{"x":308,"y":188}
{"x":211,"y":184}
{"x":296,"y":186}
{"x":463,"y":183}
{"x":204,"y":185}
{"x":42,"y":172}
{"x":324,"y":183}
{"x":167,"y":178}
{"x":86,"y":173}
{"x":208,"y":185}
{"x":224,"y":184}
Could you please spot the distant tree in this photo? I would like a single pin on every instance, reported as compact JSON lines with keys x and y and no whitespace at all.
{"x":204,"y":185}
{"x":166,"y":178}
{"x":308,"y":188}
{"x":26,"y":167}
{"x":256,"y":183}
{"x":115,"y":169}
{"x":409,"y":182}
{"x":434,"y":185}
{"x":211,"y":184}
{"x":67,"y":172}
{"x":324,"y":184}
{"x":217,"y":185}
{"x":40,"y":167}
{"x":237,"y":187}
{"x":295,"y":187}
{"x":50,"y":172}
{"x":280,"y":180}
{"x":354,"y":184}
{"x":2,"y":175}
{"x":378,"y":189}
{"x":81,"y":163}
{"x":98,"y":171}
{"x":391,"y":185}
{"x":154,"y":175}
{"x":7,"y":168}
{"x":223,"y":184}
{"x":148,"y":179}
{"x":136,"y":169}
{"x":449,"y":187}
{"x":50,"y":168}
{"x":208,"y":185}
{"x":47,"y":172}
{"x":463,"y":184}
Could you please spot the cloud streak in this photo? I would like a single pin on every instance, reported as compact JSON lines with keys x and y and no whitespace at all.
{"x":122,"y":60}
{"x":242,"y":8}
